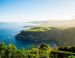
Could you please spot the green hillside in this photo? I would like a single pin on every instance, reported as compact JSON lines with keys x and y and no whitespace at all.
{"x":61,"y":36}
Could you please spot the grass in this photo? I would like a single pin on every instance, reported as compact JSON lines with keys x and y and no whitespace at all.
{"x":39,"y":29}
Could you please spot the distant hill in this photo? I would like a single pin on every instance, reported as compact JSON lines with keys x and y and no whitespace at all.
{"x":40,"y":34}
{"x":61,"y":32}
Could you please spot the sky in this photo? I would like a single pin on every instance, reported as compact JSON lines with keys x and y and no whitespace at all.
{"x":36,"y":10}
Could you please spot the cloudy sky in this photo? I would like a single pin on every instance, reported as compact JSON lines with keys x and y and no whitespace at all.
{"x":30,"y":10}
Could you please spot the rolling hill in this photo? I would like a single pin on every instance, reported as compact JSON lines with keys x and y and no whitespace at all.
{"x":61,"y":32}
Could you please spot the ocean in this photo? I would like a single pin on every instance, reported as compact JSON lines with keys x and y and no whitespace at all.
{"x":8,"y":31}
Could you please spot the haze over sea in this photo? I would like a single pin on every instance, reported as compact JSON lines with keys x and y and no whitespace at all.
{"x":8,"y":30}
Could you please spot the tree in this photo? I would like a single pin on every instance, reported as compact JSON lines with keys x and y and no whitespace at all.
{"x":2,"y":49}
{"x":10,"y":51}
{"x":44,"y":50}
{"x":2,"y":46}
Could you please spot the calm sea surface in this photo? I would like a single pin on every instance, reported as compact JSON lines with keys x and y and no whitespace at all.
{"x":8,"y":31}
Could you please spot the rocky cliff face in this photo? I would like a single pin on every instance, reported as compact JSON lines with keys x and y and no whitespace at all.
{"x":48,"y":34}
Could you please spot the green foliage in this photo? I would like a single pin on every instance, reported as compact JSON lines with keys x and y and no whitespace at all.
{"x":67,"y":48}
{"x":43,"y":51}
{"x":62,"y":36}
{"x":2,"y":46}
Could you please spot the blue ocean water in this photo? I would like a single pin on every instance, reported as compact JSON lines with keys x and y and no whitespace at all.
{"x":8,"y":30}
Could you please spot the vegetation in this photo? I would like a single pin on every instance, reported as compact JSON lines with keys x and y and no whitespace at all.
{"x":43,"y":51}
{"x":39,"y":29}
{"x":67,"y":48}
{"x":38,"y":33}
{"x":60,"y":36}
